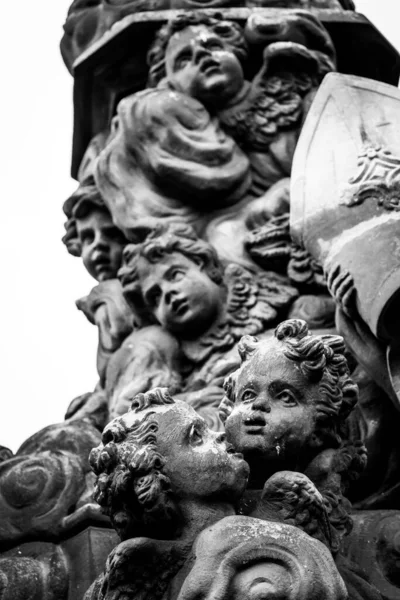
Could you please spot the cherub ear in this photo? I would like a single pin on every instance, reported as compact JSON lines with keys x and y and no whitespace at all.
{"x":247,"y":346}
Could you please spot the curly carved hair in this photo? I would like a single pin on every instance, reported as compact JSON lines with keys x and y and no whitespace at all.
{"x":229,"y":31}
{"x":164,"y":240}
{"x":85,"y":199}
{"x":321,"y":360}
{"x":131,"y":487}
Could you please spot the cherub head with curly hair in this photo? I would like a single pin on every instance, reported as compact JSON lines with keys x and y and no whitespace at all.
{"x":158,"y":462}
{"x":174,"y":279}
{"x":201,"y":56}
{"x":91,"y":234}
{"x":290,"y":397}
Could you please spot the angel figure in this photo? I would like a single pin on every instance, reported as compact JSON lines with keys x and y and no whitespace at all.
{"x":207,"y":58}
{"x":178,"y":287}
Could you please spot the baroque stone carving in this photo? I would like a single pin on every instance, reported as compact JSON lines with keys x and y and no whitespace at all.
{"x":87,"y":21}
{"x":180,"y":483}
{"x":44,"y":481}
{"x":366,"y":316}
{"x":205,"y":134}
{"x":175,"y":280}
{"x":34,"y":571}
{"x":91,"y":234}
{"x":106,"y":308}
{"x":285,"y":418}
{"x":374,"y":228}
{"x":185,"y":128}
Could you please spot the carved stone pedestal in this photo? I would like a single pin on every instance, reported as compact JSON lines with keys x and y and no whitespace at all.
{"x":64,"y":571}
{"x":86,"y":554}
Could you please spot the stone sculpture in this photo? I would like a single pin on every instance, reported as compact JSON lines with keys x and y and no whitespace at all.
{"x":210,"y":208}
{"x":218,"y":138}
{"x":364,"y":208}
{"x":106,"y":307}
{"x":286,"y":409}
{"x":91,"y":234}
{"x":175,"y":280}
{"x":164,"y":476}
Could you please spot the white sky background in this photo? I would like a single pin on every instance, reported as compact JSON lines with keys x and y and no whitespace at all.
{"x":47,"y":348}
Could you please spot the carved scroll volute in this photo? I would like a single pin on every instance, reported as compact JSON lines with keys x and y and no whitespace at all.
{"x":41,"y":484}
{"x":345,"y":196}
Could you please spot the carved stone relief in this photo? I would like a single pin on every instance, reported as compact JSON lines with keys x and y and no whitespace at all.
{"x":184,"y":483}
{"x":230,"y":186}
{"x":208,"y":136}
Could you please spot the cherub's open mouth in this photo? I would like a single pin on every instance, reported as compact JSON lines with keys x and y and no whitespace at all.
{"x":255,"y":423}
{"x":179,"y":306}
{"x":102,"y":263}
{"x":209,"y":66}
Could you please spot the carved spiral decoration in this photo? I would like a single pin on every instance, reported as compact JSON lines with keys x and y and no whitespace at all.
{"x":36,"y":492}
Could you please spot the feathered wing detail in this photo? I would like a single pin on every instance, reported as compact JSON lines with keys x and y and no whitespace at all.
{"x":256,"y":301}
{"x":276,"y":98}
{"x":292,"y":498}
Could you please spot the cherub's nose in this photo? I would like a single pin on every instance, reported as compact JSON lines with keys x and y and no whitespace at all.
{"x":99,"y":241}
{"x":261,"y":403}
{"x":169,"y":295}
{"x":199,"y":52}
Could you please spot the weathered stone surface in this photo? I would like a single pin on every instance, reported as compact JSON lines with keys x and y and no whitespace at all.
{"x":43,"y":482}
{"x":285,"y":408}
{"x":86,"y":554}
{"x":115,"y":66}
{"x":35,"y":571}
{"x":192,"y":311}
{"x":375,"y":544}
{"x":356,"y":223}
{"x":186,"y":123}
{"x":163,"y":473}
{"x":91,"y":233}
{"x":88,"y":21}
{"x":106,"y":308}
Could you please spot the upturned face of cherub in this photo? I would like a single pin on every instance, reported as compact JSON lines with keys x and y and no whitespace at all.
{"x":274,"y":415}
{"x":102,"y":244}
{"x":200,"y":463}
{"x":180,"y":294}
{"x":200,"y":64}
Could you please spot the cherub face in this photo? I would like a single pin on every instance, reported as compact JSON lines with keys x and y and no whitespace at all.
{"x":200,"y":64}
{"x":199,"y":462}
{"x":275,"y":410}
{"x":179,"y":294}
{"x":102,"y":244}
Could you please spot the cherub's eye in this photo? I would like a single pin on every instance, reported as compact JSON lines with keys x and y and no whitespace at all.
{"x":287,"y":398}
{"x":195,"y":436}
{"x":248,"y":396}
{"x":176,"y":275}
{"x":87,"y":237}
{"x":214,"y":45}
{"x":182,"y":61}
